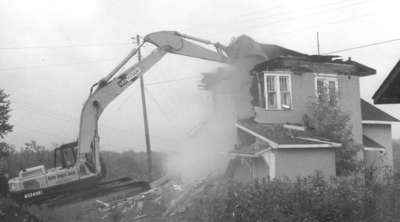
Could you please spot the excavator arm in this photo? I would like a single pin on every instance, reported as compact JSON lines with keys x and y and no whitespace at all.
{"x":106,"y":90}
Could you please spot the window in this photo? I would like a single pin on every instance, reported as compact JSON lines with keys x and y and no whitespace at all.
{"x":278,"y":91}
{"x":327,"y":89}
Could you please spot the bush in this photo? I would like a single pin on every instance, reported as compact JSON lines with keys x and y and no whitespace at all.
{"x":306,"y":200}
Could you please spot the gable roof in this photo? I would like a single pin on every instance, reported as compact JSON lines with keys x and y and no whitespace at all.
{"x":389,"y":91}
{"x":370,"y":112}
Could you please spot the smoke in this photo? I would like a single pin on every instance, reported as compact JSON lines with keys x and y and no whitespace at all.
{"x":205,"y":150}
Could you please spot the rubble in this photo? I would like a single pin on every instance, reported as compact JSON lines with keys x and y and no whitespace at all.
{"x":167,"y":197}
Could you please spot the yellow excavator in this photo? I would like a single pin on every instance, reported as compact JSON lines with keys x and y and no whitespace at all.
{"x":78,"y":167}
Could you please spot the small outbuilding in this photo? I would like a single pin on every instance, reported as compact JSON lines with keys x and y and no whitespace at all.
{"x":281,"y":151}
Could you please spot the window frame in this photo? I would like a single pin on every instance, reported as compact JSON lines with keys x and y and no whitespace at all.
{"x":277,"y":87}
{"x":326,"y":79}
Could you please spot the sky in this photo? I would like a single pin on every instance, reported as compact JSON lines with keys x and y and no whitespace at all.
{"x":52,"y":51}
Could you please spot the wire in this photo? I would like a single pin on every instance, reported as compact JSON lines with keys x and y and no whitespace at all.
{"x":289,"y":16}
{"x":363,"y":46}
{"x":65,"y":46}
{"x":264,"y":12}
{"x":162,"y":111}
{"x":51,"y":65}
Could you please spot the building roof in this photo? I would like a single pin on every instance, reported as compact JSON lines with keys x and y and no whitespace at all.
{"x":389,"y":91}
{"x":279,"y":136}
{"x":278,"y":57}
{"x":315,"y":64}
{"x":371,"y":144}
{"x":370,"y":112}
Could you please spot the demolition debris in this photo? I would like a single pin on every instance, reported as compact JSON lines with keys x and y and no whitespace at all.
{"x":168,"y":197}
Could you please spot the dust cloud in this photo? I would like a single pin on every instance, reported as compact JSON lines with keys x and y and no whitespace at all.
{"x":205,"y":151}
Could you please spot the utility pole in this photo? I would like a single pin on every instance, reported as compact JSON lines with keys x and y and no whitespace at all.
{"x":146,"y":124}
{"x":318,"y":43}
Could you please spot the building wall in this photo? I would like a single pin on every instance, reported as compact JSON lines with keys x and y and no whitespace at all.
{"x":303,"y":94}
{"x":382,"y":134}
{"x":293,"y":163}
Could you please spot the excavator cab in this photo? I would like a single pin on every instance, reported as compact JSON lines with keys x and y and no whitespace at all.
{"x":65,"y":155}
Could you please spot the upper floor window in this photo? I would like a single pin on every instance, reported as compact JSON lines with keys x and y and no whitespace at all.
{"x":327,"y":89}
{"x":278,"y":91}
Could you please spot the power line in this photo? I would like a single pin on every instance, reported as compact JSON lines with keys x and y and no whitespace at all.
{"x":363,"y":46}
{"x":165,"y":115}
{"x":263,"y":13}
{"x":61,"y":64}
{"x":312,"y":11}
{"x":65,"y":46}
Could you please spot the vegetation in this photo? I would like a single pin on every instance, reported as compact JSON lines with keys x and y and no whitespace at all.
{"x":312,"y":199}
{"x":129,"y":163}
{"x":5,"y":126}
{"x":328,"y":121}
{"x":396,"y":155}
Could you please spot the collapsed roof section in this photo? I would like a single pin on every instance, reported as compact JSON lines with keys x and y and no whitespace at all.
{"x":244,"y":46}
{"x":277,"y":57}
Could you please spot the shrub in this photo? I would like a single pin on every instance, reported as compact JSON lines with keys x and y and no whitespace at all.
{"x":312,"y":199}
{"x":328,"y":121}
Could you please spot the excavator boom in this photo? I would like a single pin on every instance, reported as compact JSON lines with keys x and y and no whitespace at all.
{"x":114,"y":84}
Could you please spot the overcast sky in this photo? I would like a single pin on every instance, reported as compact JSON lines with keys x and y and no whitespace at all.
{"x":52,"y":51}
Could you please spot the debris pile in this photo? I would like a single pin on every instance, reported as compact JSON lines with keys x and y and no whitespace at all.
{"x":167,"y":197}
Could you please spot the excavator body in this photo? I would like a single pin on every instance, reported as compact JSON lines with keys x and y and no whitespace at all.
{"x":36,"y":184}
{"x":80,"y":164}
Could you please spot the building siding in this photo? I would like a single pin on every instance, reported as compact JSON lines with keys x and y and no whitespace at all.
{"x":292,"y":163}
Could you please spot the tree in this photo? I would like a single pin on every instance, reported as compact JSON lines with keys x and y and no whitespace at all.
{"x":32,"y":146}
{"x":326,"y":120}
{"x":5,"y":126}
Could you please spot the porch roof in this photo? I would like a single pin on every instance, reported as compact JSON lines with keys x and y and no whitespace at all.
{"x":370,"y":144}
{"x":279,"y":136}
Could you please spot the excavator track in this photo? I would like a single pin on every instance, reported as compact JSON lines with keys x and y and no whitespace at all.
{"x":98,"y":190}
{"x":74,"y":194}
